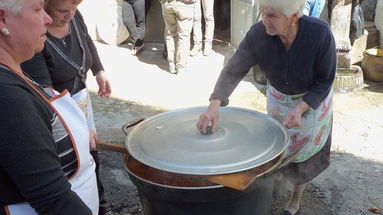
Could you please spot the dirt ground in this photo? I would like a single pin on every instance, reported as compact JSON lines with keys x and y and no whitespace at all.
{"x":143,"y":88}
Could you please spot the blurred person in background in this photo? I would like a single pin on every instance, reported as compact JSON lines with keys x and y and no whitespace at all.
{"x":45,"y":164}
{"x":314,"y":8}
{"x":133,"y":16}
{"x":208,"y":14}
{"x":63,"y":64}
{"x":178,"y":17}
{"x":298,"y":56}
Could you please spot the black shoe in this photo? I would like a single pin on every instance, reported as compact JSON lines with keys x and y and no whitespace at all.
{"x":137,"y":47}
{"x":137,"y":50}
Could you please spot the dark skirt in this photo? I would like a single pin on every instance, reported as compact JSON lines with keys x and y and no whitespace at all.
{"x":303,"y":172}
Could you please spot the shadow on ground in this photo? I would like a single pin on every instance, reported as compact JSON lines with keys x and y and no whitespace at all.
{"x":374,"y":86}
{"x":151,"y":51}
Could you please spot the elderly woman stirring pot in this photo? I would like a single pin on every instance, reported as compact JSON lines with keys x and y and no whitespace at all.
{"x":45,"y":164}
{"x":297,"y":54}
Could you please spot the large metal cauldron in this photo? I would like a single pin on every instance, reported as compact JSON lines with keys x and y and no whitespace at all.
{"x":179,"y":184}
{"x":194,"y":194}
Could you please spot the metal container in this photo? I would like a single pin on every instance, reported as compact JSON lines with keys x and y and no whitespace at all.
{"x":170,"y":162}
{"x":195,"y":195}
{"x":244,"y":139}
{"x":372,"y":65}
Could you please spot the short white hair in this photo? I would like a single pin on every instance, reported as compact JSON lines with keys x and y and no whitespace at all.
{"x":12,"y":6}
{"x":287,"y":7}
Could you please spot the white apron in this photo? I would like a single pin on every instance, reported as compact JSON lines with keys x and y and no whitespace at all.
{"x":316,"y":123}
{"x":83,"y":101}
{"x":84,"y":180}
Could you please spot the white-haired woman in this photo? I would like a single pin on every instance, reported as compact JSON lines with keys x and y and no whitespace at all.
{"x":297,"y":54}
{"x":45,"y":164}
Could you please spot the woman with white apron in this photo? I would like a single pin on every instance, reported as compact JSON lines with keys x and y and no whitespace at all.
{"x":45,"y":164}
{"x":68,"y":124}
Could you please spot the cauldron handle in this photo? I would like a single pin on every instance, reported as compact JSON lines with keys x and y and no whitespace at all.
{"x":132,"y":123}
{"x":288,"y":159}
{"x":284,"y":162}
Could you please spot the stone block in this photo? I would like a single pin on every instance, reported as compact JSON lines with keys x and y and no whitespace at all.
{"x":90,"y":10}
{"x":379,"y":19}
{"x":373,"y":38}
{"x":110,"y":27}
{"x":340,"y":25}
{"x":368,"y":7}
{"x":344,"y":59}
{"x":357,"y":49}
{"x":348,"y":79}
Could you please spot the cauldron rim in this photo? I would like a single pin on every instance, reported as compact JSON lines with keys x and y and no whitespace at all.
{"x":126,"y":156}
{"x":164,"y":185}
{"x":142,"y":155}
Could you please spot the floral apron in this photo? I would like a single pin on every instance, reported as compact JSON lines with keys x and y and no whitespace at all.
{"x":84,"y":180}
{"x":316,"y":123}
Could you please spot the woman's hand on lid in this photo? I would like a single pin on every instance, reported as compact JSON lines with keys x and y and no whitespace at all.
{"x":209,"y":117}
{"x":104,"y":89}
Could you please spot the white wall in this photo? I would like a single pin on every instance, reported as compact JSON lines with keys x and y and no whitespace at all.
{"x":91,"y":9}
{"x":103,"y":19}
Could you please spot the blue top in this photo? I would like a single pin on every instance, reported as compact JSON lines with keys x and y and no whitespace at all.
{"x":314,"y":8}
{"x":309,"y":65}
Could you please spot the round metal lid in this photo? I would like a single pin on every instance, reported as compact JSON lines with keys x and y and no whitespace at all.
{"x":171,"y":142}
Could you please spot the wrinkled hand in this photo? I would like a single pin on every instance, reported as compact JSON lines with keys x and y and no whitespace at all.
{"x":104,"y":89}
{"x":92,"y":140}
{"x":293,"y":118}
{"x":209,"y":117}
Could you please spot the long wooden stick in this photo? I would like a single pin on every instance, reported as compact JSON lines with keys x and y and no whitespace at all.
{"x":114,"y":147}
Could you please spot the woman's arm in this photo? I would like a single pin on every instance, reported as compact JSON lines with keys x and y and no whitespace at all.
{"x":97,"y":68}
{"x":324,"y":71}
{"x":104,"y":89}
{"x":236,"y":68}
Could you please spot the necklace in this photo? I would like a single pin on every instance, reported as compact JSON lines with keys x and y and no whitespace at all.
{"x":26,"y":76}
{"x":63,"y":39}
{"x":63,"y":42}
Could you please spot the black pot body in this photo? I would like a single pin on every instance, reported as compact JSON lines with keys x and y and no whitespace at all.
{"x":216,"y":200}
